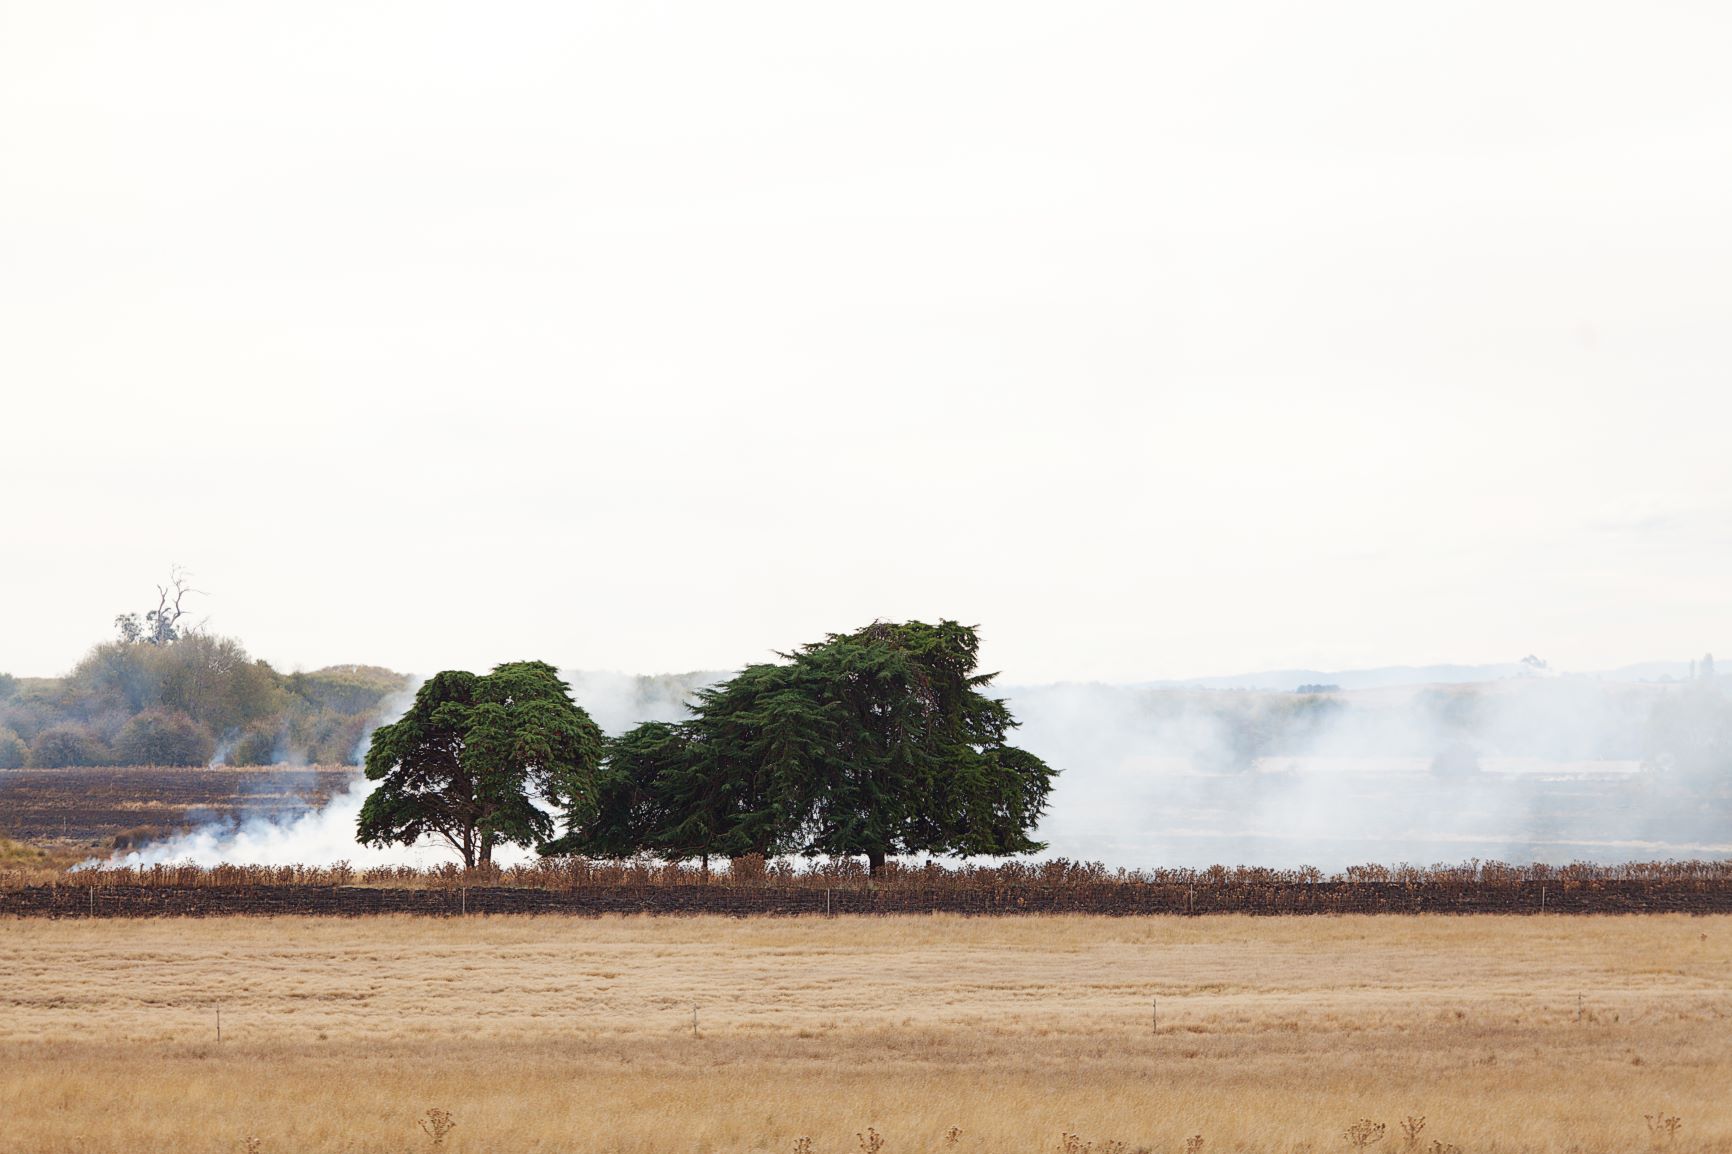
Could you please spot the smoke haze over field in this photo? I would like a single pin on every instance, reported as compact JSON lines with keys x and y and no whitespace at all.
{"x":1535,"y":768}
{"x":616,"y":701}
{"x":1551,"y":771}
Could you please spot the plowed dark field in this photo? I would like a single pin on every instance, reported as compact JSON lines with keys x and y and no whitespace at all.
{"x":116,"y":807}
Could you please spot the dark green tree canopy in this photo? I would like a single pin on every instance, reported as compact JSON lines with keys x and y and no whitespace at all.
{"x":876,"y":742}
{"x":473,"y":755}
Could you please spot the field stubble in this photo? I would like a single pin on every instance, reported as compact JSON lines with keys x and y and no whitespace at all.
{"x":559,"y":1034}
{"x":102,"y":808}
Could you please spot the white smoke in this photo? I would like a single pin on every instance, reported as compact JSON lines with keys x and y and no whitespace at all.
{"x":392,"y":708}
{"x":1551,"y":770}
{"x":616,"y":701}
{"x":314,"y":837}
{"x":221,"y":755}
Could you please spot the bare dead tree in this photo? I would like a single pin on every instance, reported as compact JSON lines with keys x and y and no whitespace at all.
{"x":168,"y":613}
{"x":162,"y":625}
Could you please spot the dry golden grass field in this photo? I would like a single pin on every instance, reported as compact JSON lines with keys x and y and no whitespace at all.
{"x":568,"y":1034}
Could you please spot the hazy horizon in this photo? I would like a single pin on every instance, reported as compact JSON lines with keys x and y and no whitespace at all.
{"x":1494,"y":669}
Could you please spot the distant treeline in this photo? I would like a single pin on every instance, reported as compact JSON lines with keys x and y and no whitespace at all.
{"x":188,"y":700}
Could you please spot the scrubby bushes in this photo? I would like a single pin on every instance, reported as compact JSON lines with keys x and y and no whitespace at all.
{"x":158,"y":737}
{"x":63,"y":745}
{"x":233,"y":703}
{"x":13,"y":752}
{"x":210,"y":679}
{"x":257,"y":746}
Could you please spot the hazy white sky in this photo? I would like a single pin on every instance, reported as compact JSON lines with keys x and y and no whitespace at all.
{"x":1158,"y":339}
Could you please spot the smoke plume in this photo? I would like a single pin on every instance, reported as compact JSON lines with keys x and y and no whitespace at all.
{"x":616,"y":701}
{"x":1529,"y":767}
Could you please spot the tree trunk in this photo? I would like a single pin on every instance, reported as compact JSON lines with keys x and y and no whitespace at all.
{"x":486,"y":849}
{"x":874,"y":862}
{"x":468,"y":849}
